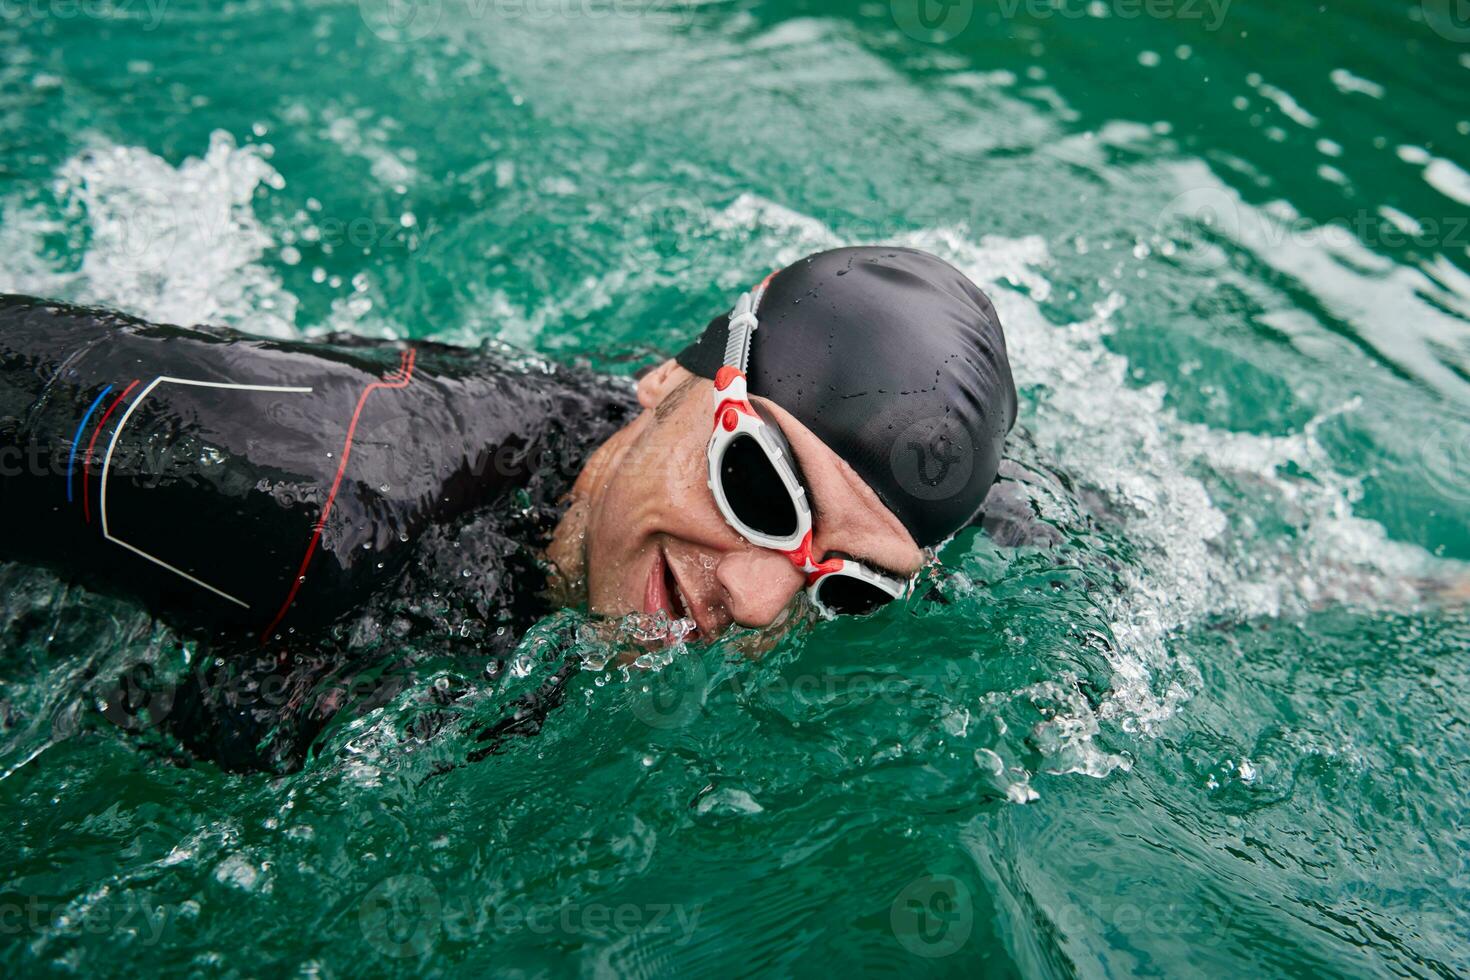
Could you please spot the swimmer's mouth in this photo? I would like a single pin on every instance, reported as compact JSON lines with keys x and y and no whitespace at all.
{"x":663,"y":593}
{"x":680,"y":605}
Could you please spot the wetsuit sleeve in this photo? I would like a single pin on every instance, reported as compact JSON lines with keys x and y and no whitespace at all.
{"x":1010,"y":519}
{"x":247,"y":486}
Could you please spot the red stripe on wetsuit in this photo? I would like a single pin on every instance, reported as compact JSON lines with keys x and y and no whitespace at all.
{"x":397,"y":379}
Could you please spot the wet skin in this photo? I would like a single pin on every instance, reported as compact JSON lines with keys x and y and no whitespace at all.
{"x":643,"y":533}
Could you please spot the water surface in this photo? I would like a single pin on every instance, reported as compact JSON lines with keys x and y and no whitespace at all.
{"x":1221,"y":727}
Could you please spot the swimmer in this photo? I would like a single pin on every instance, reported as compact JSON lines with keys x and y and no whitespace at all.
{"x":811,"y":449}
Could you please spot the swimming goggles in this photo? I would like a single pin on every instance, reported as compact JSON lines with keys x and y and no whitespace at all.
{"x":753,"y":476}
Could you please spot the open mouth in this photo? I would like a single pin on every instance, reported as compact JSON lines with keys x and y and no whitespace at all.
{"x":663,"y":592}
{"x":679,"y":606}
{"x":671,"y":588}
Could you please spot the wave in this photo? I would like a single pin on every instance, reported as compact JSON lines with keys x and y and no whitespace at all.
{"x":183,"y":244}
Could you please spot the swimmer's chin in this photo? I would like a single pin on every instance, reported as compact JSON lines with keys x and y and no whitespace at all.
{"x":563,"y":591}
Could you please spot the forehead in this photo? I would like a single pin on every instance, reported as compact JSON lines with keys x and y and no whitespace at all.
{"x":848,"y":515}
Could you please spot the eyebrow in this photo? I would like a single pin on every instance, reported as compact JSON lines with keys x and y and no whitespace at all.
{"x":817,"y":513}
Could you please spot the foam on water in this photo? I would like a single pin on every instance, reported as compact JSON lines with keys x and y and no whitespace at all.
{"x":358,"y":134}
{"x":174,"y":244}
{"x":1196,"y":560}
{"x":183,"y":244}
{"x":1354,"y":284}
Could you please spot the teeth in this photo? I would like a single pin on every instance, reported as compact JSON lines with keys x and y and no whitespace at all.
{"x":671,"y":585}
{"x":681,"y":605}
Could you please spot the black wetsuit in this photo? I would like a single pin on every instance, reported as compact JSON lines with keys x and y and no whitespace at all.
{"x":288,"y":499}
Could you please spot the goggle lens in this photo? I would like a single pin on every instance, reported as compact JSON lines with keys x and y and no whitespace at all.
{"x":849,"y":596}
{"x":754,"y":490}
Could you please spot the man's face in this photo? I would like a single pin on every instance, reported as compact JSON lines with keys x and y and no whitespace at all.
{"x":657,"y":541}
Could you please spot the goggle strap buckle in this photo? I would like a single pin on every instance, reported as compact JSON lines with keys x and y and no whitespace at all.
{"x":743,"y":325}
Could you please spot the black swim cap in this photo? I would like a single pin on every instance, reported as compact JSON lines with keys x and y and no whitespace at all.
{"x":897,"y":362}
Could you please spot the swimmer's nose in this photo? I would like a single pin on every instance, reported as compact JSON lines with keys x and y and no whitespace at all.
{"x":758,"y":584}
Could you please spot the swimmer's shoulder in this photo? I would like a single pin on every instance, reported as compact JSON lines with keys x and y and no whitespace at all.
{"x":1010,"y":516}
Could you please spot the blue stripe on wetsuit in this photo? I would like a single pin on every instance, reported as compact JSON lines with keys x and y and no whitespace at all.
{"x":71,"y":463}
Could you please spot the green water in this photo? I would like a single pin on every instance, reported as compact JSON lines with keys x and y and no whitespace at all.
{"x":1223,"y":727}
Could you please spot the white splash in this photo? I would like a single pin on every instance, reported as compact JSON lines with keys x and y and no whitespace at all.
{"x":1195,"y":560}
{"x":171,"y":244}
